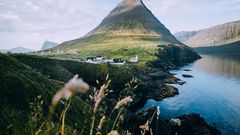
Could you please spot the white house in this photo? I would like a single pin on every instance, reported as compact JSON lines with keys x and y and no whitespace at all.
{"x":134,"y":59}
{"x":99,"y":58}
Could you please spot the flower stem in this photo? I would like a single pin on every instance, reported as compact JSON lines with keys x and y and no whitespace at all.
{"x":63,"y":118}
{"x":92,"y":124}
{"x":119,"y":113}
{"x":109,"y":120}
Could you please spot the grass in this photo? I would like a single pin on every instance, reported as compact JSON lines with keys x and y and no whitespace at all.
{"x":19,"y":86}
{"x":25,"y":77}
{"x":63,"y":70}
{"x":123,"y":47}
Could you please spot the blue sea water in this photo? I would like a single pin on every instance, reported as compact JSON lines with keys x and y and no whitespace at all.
{"x":213,"y":92}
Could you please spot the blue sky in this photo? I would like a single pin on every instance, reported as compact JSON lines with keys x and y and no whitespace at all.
{"x":28,"y":23}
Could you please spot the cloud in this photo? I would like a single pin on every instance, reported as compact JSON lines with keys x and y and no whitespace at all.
{"x":221,"y":6}
{"x":9,"y":16}
{"x":8,"y":21}
{"x":33,"y":21}
{"x":161,"y":7}
{"x":31,"y":5}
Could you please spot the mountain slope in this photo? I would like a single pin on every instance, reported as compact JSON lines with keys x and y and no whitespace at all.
{"x":215,"y":36}
{"x":17,"y":50}
{"x":130,"y":26}
{"x":131,"y":17}
{"x":19,"y":86}
{"x":48,"y":44}
{"x":185,"y":35}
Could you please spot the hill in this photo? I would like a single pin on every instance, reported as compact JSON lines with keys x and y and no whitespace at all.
{"x":19,"y":86}
{"x":129,"y":29}
{"x":48,"y":44}
{"x":185,"y":35}
{"x":223,"y":34}
{"x":26,"y":95}
{"x":17,"y":50}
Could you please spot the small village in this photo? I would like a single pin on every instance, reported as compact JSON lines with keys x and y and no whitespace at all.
{"x":96,"y":59}
{"x":115,"y":61}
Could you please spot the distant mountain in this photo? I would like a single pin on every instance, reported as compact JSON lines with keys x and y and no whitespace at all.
{"x":185,"y":35}
{"x":48,"y":44}
{"x":17,"y":50}
{"x":214,"y":36}
{"x":130,"y":26}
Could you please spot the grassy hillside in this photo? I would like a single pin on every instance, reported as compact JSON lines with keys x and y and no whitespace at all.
{"x":25,"y":97}
{"x":19,"y":86}
{"x":114,"y":47}
{"x":63,"y":70}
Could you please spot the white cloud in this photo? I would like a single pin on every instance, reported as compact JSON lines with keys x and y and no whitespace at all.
{"x":31,"y":5}
{"x":161,"y":7}
{"x":10,"y":16}
{"x":33,"y":21}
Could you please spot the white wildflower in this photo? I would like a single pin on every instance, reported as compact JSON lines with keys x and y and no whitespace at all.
{"x":101,"y":94}
{"x":123,"y":102}
{"x":75,"y":85}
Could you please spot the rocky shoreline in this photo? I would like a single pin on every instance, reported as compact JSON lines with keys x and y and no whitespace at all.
{"x":154,"y":85}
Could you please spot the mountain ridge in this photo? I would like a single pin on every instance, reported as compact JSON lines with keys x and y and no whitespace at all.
{"x":48,"y":44}
{"x":17,"y":50}
{"x":214,"y":36}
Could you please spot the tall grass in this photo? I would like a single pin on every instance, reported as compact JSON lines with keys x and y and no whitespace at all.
{"x":95,"y":120}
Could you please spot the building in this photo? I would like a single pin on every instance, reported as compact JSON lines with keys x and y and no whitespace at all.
{"x":134,"y":59}
{"x":99,"y":58}
{"x":118,"y":62}
{"x":90,"y":59}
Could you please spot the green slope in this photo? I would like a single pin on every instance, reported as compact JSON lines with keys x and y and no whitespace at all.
{"x":20,"y":85}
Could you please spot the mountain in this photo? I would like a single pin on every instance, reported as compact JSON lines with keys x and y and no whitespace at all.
{"x":184,"y":35}
{"x":129,"y":29}
{"x":214,"y":36}
{"x":48,"y":44}
{"x":17,"y":50}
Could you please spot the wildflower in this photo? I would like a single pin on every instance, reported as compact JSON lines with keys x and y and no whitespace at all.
{"x":123,"y":102}
{"x":158,"y":112}
{"x":100,"y":94}
{"x":75,"y":85}
{"x":102,"y":121}
{"x":175,"y":122}
{"x":114,"y":132}
{"x":144,"y":127}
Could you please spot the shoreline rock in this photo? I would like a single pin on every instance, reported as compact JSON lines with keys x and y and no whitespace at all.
{"x":189,"y":124}
{"x":187,"y":76}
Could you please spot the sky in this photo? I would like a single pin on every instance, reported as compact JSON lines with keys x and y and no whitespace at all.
{"x":28,"y":23}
